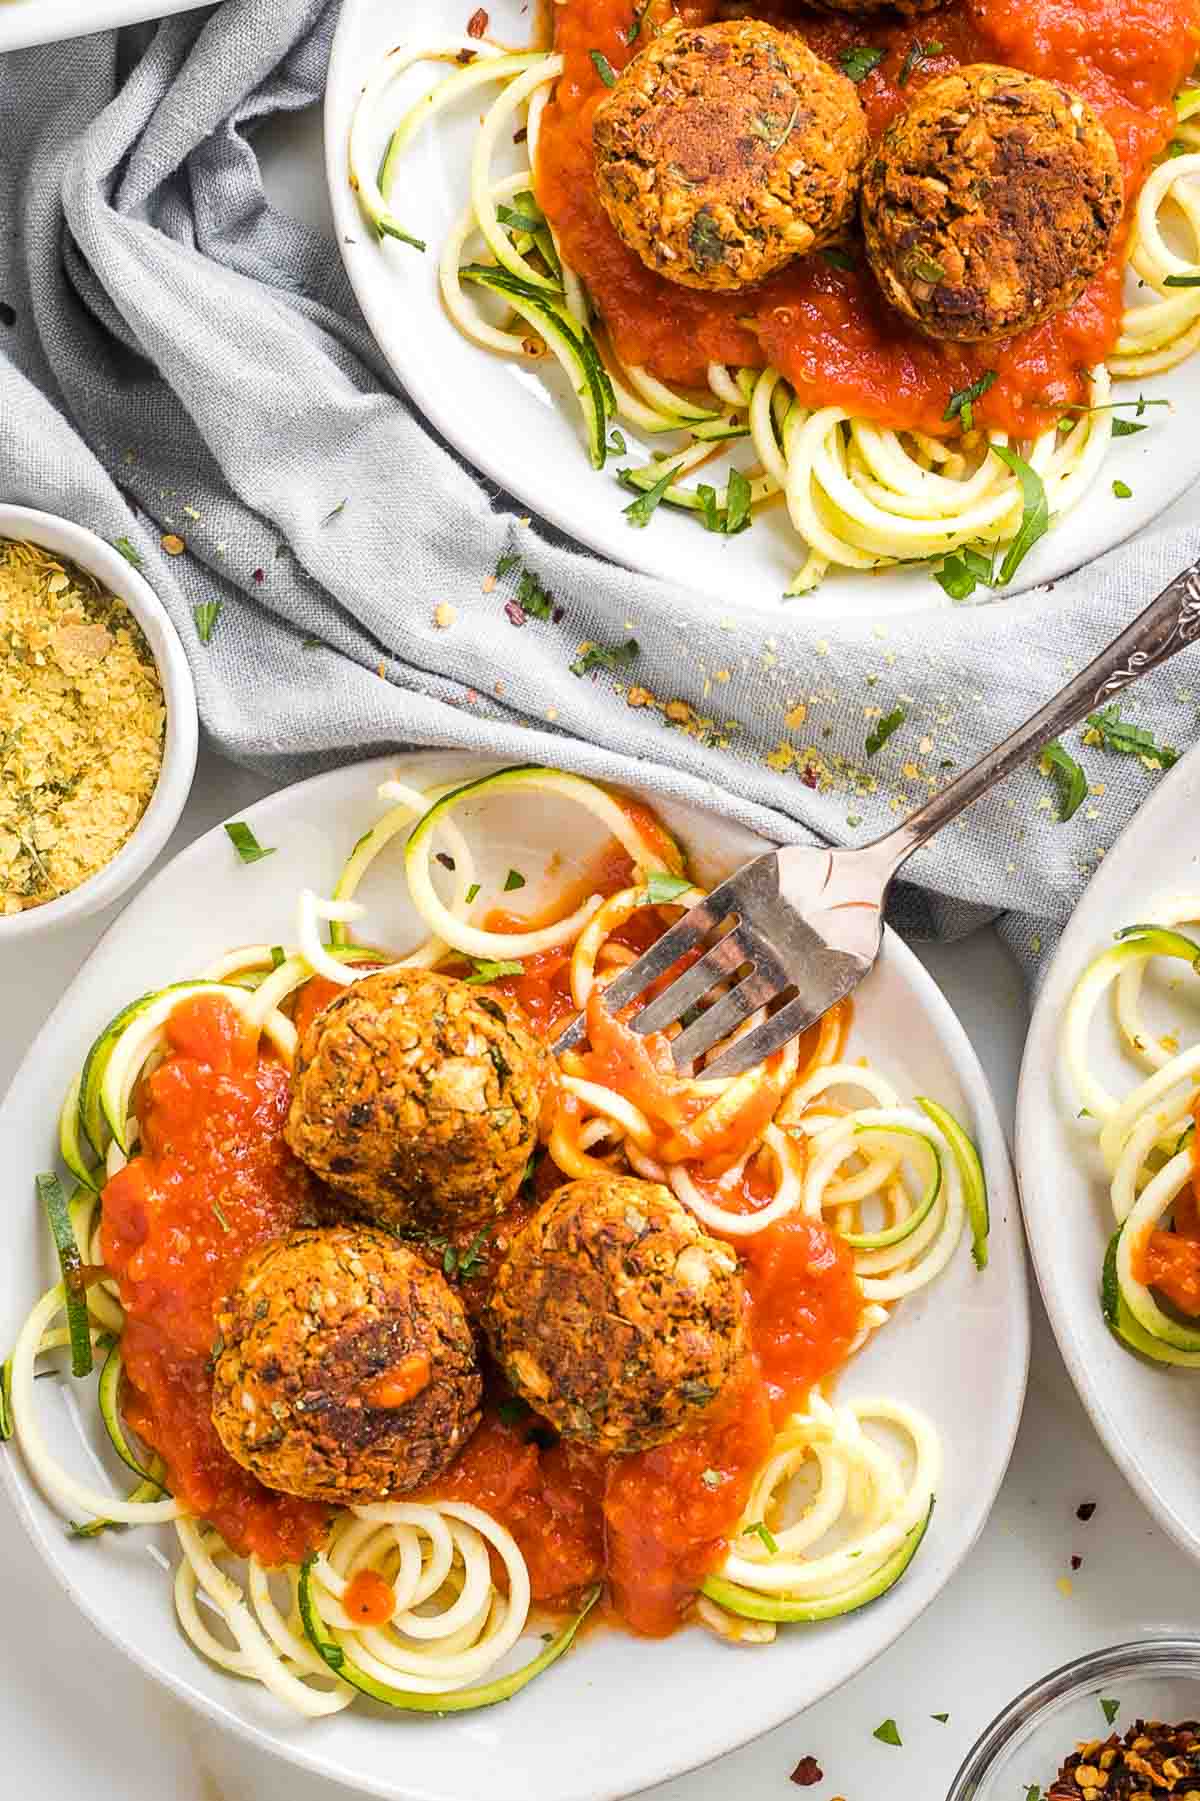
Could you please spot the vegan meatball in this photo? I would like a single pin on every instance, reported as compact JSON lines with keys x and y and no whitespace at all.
{"x":615,"y":1316}
{"x":726,"y":150}
{"x":990,"y":203}
{"x":418,"y":1096}
{"x":346,"y":1369}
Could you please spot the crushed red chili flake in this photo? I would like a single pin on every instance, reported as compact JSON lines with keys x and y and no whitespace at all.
{"x":260,"y":575}
{"x":808,"y":776}
{"x":1077,"y":1563}
{"x":807,"y":1772}
{"x":1085,"y":1510}
{"x":1151,"y":1758}
{"x":514,"y":612}
{"x":521,"y":136}
{"x":477,"y":24}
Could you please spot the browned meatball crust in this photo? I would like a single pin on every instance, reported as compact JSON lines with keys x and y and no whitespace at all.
{"x":726,"y":150}
{"x":346,"y":1370}
{"x":418,"y":1096}
{"x":615,"y":1316}
{"x":990,"y":203}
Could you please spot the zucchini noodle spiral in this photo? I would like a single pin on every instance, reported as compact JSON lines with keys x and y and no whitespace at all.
{"x":858,"y":496}
{"x":897,"y":1182}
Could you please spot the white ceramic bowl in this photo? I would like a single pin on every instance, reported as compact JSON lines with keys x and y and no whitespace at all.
{"x":179,"y":750}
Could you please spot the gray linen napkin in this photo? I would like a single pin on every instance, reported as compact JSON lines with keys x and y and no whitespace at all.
{"x":176,"y":357}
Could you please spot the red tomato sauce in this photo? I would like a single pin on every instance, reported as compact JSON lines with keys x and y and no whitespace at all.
{"x":829,"y":330}
{"x":212,"y":1182}
{"x":1170,"y":1261}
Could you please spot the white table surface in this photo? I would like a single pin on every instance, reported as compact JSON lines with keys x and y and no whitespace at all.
{"x":75,"y":1718}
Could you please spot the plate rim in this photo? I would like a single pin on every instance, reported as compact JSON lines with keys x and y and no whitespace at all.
{"x":1038,"y":1063}
{"x":822,"y":607}
{"x":307,"y":1754}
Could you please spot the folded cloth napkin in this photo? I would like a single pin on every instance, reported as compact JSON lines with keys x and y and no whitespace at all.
{"x":182,"y":364}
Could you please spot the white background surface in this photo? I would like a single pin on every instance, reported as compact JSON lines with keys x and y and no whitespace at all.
{"x":75,"y":1718}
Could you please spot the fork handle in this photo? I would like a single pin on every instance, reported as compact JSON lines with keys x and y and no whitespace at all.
{"x":1165,"y":626}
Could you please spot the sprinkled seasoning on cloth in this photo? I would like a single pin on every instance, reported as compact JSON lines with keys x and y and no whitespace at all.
{"x":81,"y":726}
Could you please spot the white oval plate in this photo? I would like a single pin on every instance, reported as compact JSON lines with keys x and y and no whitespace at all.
{"x":620,"y":1713}
{"x":25,"y":22}
{"x":520,"y":425}
{"x":1147,"y":1415}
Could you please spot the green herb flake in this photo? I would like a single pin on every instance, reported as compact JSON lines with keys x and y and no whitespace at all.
{"x":472,"y":1259}
{"x":219,"y":1216}
{"x":1110,"y":1709}
{"x":206,"y":615}
{"x":604,"y":68}
{"x":472,"y":891}
{"x":1033,"y":1792}
{"x":1108,"y":731}
{"x":916,"y":55}
{"x":1125,"y":428}
{"x":1068,"y":778}
{"x":334,"y":511}
{"x":926,"y":268}
{"x":883,"y":728}
{"x":278,"y":957}
{"x":1181,"y":281}
{"x":962,"y":400}
{"x":737,"y":503}
{"x":663,"y":888}
{"x":941,"y":1718}
{"x":1034,"y":519}
{"x":600,"y":656}
{"x":485,"y":969}
{"x":711,"y":516}
{"x":888,"y":1733}
{"x":761,"y":1530}
{"x":859,"y":60}
{"x":129,"y":551}
{"x":706,"y":241}
{"x":532,"y":598}
{"x":506,"y":565}
{"x":513,"y":880}
{"x":617,"y":444}
{"x":639,"y":512}
{"x":246,"y":844}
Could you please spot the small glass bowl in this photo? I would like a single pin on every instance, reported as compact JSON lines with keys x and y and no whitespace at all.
{"x":1152,"y":1679}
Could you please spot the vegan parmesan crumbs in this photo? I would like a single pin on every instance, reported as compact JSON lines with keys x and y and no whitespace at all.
{"x":81,"y":726}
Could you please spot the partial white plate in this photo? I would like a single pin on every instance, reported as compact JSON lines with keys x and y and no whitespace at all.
{"x":1148,"y":1416}
{"x":620,"y":1713}
{"x":25,"y":22}
{"x":519,"y":425}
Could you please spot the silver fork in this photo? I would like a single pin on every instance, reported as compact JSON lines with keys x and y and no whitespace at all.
{"x":803,"y":924}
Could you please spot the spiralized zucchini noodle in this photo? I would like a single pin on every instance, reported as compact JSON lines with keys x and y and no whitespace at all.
{"x":898,"y":1180}
{"x":859,"y":496}
{"x":1143,"y":1139}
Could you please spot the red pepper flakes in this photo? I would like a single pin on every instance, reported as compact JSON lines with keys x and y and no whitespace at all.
{"x":260,"y":575}
{"x":806,"y":1773}
{"x":477,"y":24}
{"x":1085,"y":1510}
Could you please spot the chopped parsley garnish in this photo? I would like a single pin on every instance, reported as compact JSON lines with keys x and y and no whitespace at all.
{"x":1125,"y":428}
{"x":220,"y":1217}
{"x":961,"y":403}
{"x":639,"y":512}
{"x":1181,"y":281}
{"x":773,"y":129}
{"x":278,"y":957}
{"x":514,"y":879}
{"x":710,"y":513}
{"x":737,"y":503}
{"x":963,"y":571}
{"x":662,"y":888}
{"x":941,"y":1718}
{"x":486,"y":969}
{"x":631,"y":36}
{"x":917,"y":53}
{"x":246,"y":844}
{"x":334,"y":511}
{"x":464,"y":1264}
{"x":1068,"y":777}
{"x":883,"y":728}
{"x":206,"y":615}
{"x":837,"y":257}
{"x":617,"y":444}
{"x":1034,"y":1792}
{"x":926,"y":268}
{"x":506,"y":565}
{"x":472,"y":891}
{"x":1035,"y":517}
{"x":447,"y":862}
{"x":860,"y":59}
{"x":706,"y":240}
{"x":128,"y":551}
{"x":604,"y":68}
{"x":1122,"y":490}
{"x":1108,"y":731}
{"x":600,"y":656}
{"x":532,"y":598}
{"x":1110,"y":1709}
{"x":888,"y":1733}
{"x":761,"y":1530}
